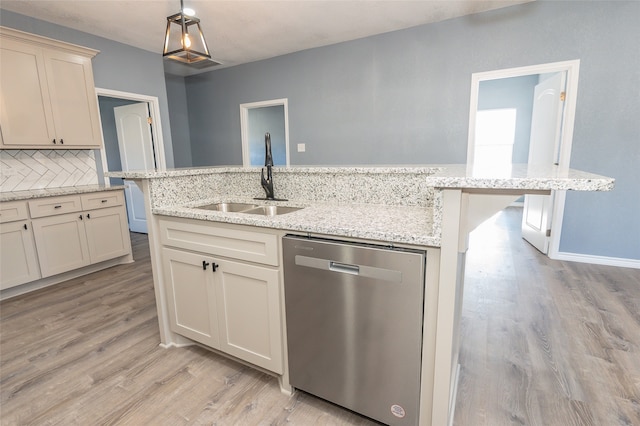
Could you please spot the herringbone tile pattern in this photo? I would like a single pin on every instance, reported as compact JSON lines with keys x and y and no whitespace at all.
{"x":22,"y":170}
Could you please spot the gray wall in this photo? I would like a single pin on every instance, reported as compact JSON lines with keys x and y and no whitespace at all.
{"x":117,"y":66}
{"x":517,"y":93}
{"x":403,"y":97}
{"x":179,"y":115}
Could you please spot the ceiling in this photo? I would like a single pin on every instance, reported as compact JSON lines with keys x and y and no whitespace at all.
{"x":242,"y":31}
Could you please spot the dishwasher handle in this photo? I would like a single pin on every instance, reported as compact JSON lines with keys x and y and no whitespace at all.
{"x":382,"y":274}
{"x":345,"y":268}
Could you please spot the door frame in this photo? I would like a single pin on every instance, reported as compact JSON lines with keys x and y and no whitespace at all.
{"x":154,"y":111}
{"x":572,"y":69}
{"x":244,"y":126}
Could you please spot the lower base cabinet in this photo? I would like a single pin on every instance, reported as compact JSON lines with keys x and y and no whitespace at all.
{"x":61,"y":242}
{"x":192,"y":296}
{"x":18,"y":260}
{"x":226,"y":304}
{"x":47,"y":236}
{"x":71,"y":241}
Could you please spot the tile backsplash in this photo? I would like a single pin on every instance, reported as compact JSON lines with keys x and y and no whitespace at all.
{"x":22,"y":170}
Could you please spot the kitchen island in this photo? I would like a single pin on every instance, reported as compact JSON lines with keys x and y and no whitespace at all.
{"x":431,"y":208}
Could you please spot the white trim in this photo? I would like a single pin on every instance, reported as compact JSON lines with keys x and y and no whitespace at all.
{"x":597,"y":260}
{"x":244,"y":126}
{"x":572,"y":69}
{"x":154,"y":110}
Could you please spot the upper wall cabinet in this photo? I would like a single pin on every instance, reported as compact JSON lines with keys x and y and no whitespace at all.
{"x":47,"y":94}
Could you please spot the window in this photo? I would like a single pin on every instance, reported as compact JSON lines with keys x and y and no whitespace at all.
{"x":495,"y":135}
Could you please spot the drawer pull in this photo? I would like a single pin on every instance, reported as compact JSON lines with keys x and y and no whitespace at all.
{"x":103,"y":201}
{"x":57,"y":207}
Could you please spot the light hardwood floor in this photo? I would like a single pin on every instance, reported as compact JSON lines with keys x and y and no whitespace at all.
{"x":544,"y":343}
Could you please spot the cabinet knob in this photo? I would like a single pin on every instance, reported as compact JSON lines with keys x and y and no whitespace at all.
{"x":88,"y":216}
{"x":80,"y":217}
{"x":25,"y":226}
{"x":205,"y":264}
{"x":61,"y":141}
{"x":54,"y":141}
{"x":214,"y":266}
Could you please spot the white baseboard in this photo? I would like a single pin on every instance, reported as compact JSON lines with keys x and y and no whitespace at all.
{"x":598,"y":260}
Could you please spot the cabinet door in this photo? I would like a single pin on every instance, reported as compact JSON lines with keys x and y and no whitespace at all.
{"x":191,"y":296}
{"x":73,"y":99}
{"x":25,"y":112}
{"x":61,"y":242}
{"x":18,"y":260}
{"x":107,"y":233}
{"x":249,"y":313}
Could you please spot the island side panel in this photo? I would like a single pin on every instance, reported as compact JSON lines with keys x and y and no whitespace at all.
{"x":167,"y":337}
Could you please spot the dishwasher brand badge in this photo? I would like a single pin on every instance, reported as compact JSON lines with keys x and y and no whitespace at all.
{"x":397,"y":411}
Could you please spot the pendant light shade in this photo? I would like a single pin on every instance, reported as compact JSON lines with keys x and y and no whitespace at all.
{"x":184,"y":40}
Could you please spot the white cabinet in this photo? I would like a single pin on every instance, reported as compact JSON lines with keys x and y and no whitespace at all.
{"x":18,"y":260}
{"x":107,"y":233}
{"x":192,"y":296}
{"x":70,"y":234}
{"x":248,"y":299}
{"x":47,"y":93}
{"x":223,"y":288}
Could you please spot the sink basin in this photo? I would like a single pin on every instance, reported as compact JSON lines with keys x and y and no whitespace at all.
{"x":272,"y":210}
{"x":228,"y":207}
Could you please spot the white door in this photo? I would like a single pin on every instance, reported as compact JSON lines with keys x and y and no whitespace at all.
{"x":136,"y":153}
{"x":544,"y":149}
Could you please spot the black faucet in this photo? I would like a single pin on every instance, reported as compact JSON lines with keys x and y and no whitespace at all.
{"x":267,"y":182}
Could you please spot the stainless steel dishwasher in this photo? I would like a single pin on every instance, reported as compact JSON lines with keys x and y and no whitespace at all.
{"x":354,"y":325}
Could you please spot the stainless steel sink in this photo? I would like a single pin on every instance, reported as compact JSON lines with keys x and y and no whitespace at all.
{"x":249,"y":208}
{"x":228,"y":207}
{"x":272,"y":210}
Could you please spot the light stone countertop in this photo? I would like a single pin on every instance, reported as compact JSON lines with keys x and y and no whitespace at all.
{"x":348,"y":170}
{"x":373,"y":219}
{"x":385,"y":224}
{"x":518,"y":176}
{"x":51,"y":192}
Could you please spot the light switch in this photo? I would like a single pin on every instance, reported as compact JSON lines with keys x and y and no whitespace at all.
{"x":301,"y":147}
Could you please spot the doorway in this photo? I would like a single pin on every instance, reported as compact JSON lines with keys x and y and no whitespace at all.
{"x":258,"y":118}
{"x":132,"y":141}
{"x":547,"y":213}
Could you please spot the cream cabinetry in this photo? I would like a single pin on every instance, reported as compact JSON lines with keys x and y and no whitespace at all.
{"x":223,"y":288}
{"x":18,"y":260}
{"x":79,"y":230}
{"x":47,"y":93}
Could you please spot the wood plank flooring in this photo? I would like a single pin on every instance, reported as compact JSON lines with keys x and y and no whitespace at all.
{"x":544,"y":343}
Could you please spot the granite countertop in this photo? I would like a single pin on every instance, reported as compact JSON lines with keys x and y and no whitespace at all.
{"x":51,"y":192}
{"x":194,"y":171}
{"x":387,"y":224}
{"x":407,"y":224}
{"x":518,"y":176}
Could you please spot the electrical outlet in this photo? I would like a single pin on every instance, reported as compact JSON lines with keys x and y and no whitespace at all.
{"x":301,"y":147}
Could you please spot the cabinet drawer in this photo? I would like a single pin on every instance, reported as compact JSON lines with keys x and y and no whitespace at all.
{"x":218,"y":241}
{"x":50,"y":206}
{"x":13,"y":210}
{"x":98,"y":200}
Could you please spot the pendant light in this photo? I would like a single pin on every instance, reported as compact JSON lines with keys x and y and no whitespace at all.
{"x":184,"y":41}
